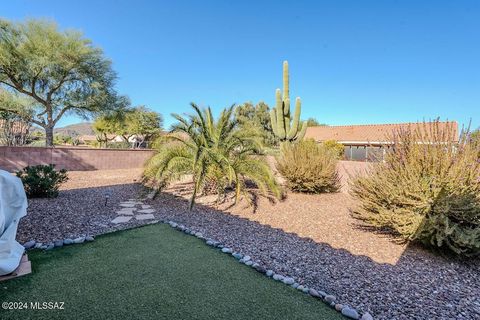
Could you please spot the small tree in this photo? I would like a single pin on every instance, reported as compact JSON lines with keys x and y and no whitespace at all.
{"x":144,"y":124}
{"x":57,"y":72}
{"x":256,"y":119}
{"x":125,"y":122}
{"x":104,"y":127}
{"x":312,"y":122}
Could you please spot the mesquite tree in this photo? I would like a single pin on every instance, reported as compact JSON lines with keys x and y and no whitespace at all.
{"x":139,"y":122}
{"x":50,"y":73}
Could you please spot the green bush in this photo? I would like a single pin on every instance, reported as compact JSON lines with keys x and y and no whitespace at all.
{"x":336,"y":147}
{"x":309,"y":167}
{"x":42,"y":181}
{"x":427,"y":190}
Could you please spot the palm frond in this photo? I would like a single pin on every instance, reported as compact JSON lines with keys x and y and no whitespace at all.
{"x":214,"y":149}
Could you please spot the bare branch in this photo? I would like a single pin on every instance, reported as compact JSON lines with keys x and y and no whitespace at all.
{"x":62,"y":112}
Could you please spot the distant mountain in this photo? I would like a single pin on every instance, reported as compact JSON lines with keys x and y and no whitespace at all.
{"x":75,"y":130}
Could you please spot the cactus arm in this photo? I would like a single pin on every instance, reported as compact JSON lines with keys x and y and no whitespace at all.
{"x":296,"y":120}
{"x":286,"y":108}
{"x":273,"y":119}
{"x":301,"y":134}
{"x":280,"y":117}
{"x":286,"y":87}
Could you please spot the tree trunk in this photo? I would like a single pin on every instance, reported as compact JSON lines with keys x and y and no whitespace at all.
{"x":49,"y":136}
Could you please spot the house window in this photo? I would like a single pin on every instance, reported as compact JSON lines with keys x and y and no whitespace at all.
{"x":364,"y":153}
{"x":359,"y":153}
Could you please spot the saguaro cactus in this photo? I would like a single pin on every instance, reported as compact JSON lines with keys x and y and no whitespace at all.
{"x":284,"y":127}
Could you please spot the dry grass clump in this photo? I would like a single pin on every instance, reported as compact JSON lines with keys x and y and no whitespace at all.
{"x":309,"y":167}
{"x":428,"y":189}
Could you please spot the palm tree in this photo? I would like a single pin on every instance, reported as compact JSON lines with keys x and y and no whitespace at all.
{"x":209,"y":149}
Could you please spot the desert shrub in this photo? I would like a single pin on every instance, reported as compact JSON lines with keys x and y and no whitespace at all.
{"x":42,"y":181}
{"x":309,"y":167}
{"x":427,"y":190}
{"x":337,"y":148}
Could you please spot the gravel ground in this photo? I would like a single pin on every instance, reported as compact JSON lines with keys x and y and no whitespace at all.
{"x":80,"y":207}
{"x":310,"y":238}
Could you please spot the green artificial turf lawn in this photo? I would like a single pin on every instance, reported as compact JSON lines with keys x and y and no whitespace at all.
{"x":153,"y":272}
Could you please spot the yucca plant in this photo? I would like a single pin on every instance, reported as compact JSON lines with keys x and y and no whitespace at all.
{"x":211,"y":149}
{"x":427,"y":189}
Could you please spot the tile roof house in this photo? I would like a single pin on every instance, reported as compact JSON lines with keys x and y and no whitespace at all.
{"x":366,"y":142}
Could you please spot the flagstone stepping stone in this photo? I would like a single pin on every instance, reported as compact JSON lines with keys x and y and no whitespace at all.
{"x":144,"y":216}
{"x":127,"y":205}
{"x":121,"y":219}
{"x":147,"y":211}
{"x":126,"y":211}
{"x":128,"y":208}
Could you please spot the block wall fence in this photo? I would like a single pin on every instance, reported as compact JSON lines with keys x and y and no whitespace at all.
{"x":74,"y":159}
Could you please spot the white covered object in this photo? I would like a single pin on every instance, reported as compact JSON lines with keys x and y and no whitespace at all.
{"x":13,"y":206}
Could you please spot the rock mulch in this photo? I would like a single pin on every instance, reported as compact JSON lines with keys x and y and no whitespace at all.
{"x":86,"y":206}
{"x":419,"y":285}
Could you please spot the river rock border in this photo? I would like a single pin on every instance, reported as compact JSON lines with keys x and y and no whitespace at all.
{"x":32,"y":244}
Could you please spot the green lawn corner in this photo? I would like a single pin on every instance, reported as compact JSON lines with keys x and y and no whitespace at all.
{"x":153,"y":272}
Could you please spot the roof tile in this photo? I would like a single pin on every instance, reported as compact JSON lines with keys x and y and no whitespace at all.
{"x":369,"y":133}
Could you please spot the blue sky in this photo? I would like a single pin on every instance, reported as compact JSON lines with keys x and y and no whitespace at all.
{"x":351,"y":62}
